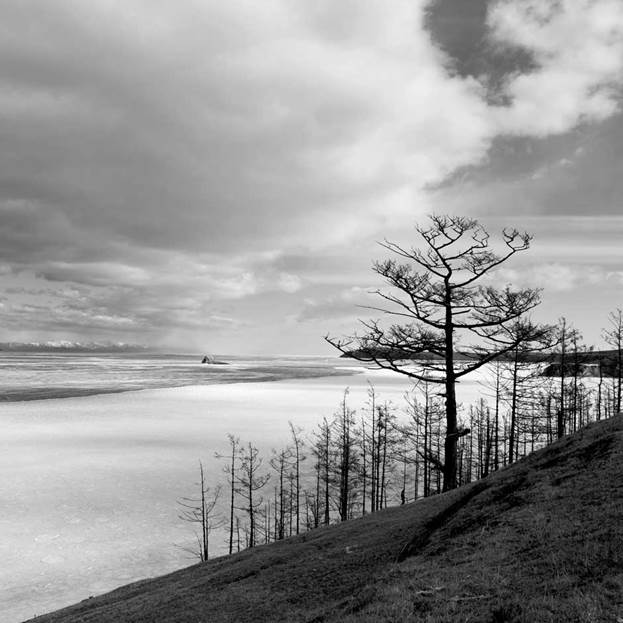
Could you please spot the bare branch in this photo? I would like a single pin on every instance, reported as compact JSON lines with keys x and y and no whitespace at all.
{"x":438,"y":297}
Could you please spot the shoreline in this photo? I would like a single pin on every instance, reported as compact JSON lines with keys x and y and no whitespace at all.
{"x":246,"y":376}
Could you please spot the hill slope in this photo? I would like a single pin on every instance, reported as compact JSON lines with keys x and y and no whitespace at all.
{"x":539,"y":541}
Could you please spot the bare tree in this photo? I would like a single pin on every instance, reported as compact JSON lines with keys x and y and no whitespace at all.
{"x":521,"y":372}
{"x":566,"y":338}
{"x":230,"y":470}
{"x":614,"y":337}
{"x":345,"y":448}
{"x":385,"y":424}
{"x":201,"y":510}
{"x":322,"y":452}
{"x":423,"y":410}
{"x":297,"y":445}
{"x":322,"y":449}
{"x":372,"y":446}
{"x":250,"y":482}
{"x":443,"y":296}
{"x":281,"y":462}
{"x":495,"y":385}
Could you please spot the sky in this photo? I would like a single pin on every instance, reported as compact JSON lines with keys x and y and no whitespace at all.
{"x":215,"y":175}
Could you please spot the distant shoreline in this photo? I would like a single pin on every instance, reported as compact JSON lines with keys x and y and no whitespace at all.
{"x":251,"y":375}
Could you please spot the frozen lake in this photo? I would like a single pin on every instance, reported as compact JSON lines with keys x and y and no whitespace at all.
{"x":89,"y":485}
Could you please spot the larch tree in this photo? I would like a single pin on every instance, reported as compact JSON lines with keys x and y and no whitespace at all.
{"x":321,"y":450}
{"x":613,"y":336}
{"x":522,"y":376}
{"x":345,"y":452}
{"x":202,"y":511}
{"x":230,"y":469}
{"x":442,"y":299}
{"x":281,"y":462}
{"x":566,"y":337}
{"x":250,"y":483}
{"x":297,"y":446}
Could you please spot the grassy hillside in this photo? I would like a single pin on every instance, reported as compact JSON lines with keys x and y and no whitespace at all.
{"x":539,"y":541}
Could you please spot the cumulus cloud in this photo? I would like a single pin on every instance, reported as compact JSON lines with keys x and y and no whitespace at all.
{"x":577,"y":46}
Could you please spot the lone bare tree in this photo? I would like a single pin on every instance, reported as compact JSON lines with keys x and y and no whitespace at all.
{"x":441,"y":295}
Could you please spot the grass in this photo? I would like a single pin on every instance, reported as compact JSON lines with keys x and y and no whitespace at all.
{"x":539,"y":541}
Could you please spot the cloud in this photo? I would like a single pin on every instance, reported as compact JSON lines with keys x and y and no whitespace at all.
{"x":554,"y":277}
{"x":616,"y":276}
{"x":289,"y":283}
{"x":577,"y":46}
{"x":195,"y":126}
{"x":171,"y":166}
{"x":345,"y":304}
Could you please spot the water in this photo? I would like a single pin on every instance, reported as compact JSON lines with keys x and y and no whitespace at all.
{"x":91,"y":480}
{"x":35,"y":376}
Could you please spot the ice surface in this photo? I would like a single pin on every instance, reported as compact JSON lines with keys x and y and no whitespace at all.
{"x":89,"y":485}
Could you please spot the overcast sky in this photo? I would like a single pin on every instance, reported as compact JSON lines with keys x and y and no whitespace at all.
{"x":212,"y":175}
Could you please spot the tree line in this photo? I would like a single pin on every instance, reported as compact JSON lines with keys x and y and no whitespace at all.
{"x":442,"y":319}
{"x":359,"y":461}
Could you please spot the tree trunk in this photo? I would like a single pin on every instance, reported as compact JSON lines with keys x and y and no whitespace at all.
{"x":560,"y":423}
{"x":233,"y":496}
{"x":513,"y":423}
{"x":449,"y":462}
{"x":449,"y":465}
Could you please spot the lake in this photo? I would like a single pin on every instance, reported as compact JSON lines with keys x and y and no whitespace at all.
{"x":90,"y":483}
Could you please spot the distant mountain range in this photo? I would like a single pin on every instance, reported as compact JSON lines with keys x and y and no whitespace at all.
{"x":65,"y":346}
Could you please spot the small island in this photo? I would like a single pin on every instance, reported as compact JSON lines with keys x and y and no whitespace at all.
{"x":213,"y":361}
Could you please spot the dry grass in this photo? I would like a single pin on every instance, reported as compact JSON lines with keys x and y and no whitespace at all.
{"x":540,"y":541}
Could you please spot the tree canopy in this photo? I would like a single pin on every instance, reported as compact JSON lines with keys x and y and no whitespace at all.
{"x":444,"y":303}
